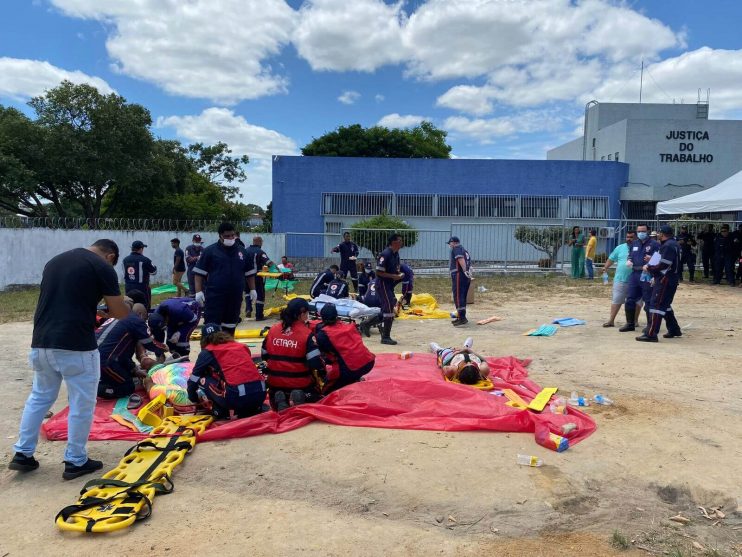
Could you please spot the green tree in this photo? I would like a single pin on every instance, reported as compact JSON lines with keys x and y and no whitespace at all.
{"x":267,"y":225}
{"x":423,"y":141}
{"x":373,"y":233}
{"x":545,"y":239}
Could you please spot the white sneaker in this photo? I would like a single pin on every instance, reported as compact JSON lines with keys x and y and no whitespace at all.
{"x":434,"y":347}
{"x":469,"y":342}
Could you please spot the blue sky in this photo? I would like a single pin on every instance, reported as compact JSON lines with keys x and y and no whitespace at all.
{"x":505,"y":78}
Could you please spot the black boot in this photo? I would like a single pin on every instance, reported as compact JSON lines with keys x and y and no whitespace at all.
{"x":387,"y":331}
{"x":629,"y":321}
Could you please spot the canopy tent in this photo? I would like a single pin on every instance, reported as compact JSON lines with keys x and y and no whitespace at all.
{"x":722,"y":198}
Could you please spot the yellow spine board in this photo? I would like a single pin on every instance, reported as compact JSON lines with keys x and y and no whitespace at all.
{"x":482,"y":384}
{"x":144,"y":472}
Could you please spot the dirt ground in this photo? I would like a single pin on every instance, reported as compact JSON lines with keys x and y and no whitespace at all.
{"x":672,"y":442}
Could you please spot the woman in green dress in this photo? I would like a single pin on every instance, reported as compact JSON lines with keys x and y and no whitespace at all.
{"x":577,"y":241}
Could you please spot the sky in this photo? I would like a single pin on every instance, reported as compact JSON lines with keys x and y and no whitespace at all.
{"x":506,"y":79}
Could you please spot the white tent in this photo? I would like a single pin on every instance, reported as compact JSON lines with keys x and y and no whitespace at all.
{"x":724,"y":197}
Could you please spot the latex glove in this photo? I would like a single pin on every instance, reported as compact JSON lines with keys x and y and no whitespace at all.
{"x":200,"y":298}
{"x":175,"y":338}
{"x":253,"y":295}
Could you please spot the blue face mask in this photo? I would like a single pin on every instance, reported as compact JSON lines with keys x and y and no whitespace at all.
{"x":642,"y":235}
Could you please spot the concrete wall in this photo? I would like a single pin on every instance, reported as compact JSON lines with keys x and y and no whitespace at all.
{"x":26,"y":251}
{"x":571,"y":151}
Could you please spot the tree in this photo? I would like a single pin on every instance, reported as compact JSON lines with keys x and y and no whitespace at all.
{"x":267,"y":225}
{"x":215,"y":162}
{"x":423,"y":141}
{"x":373,"y":233}
{"x":546,"y":239}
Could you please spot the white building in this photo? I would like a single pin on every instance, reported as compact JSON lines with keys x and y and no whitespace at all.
{"x":672,"y":149}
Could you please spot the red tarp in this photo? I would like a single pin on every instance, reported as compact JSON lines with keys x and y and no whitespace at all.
{"x":397,"y":394}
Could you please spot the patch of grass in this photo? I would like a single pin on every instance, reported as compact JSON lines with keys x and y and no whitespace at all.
{"x":18,"y":304}
{"x":619,"y":541}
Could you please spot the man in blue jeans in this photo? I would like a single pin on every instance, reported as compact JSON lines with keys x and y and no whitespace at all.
{"x":64,"y":348}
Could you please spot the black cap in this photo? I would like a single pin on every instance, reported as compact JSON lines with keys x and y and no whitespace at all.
{"x":667,"y":230}
{"x":138,"y":244}
{"x":210,"y":329}
{"x":329,"y":313}
{"x":454,"y":239}
{"x":175,"y":240}
{"x":197,"y":237}
{"x":296,"y":305}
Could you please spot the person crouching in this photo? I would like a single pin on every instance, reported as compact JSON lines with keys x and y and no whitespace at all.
{"x":226,"y":376}
{"x":342,"y":346}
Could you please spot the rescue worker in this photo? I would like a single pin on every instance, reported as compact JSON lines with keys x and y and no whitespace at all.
{"x":348,"y":255}
{"x":461,"y":364}
{"x":707,"y":250}
{"x":338,"y":287}
{"x":687,"y":255}
{"x":227,"y":269}
{"x":173,"y":321}
{"x":293,"y":361}
{"x":460,"y":268}
{"x":408,"y":283}
{"x":387,"y":275}
{"x":725,"y":255}
{"x":366,"y":275}
{"x":137,"y":269}
{"x":261,"y":261}
{"x":665,"y":284}
{"x":343,"y":350}
{"x":179,"y":267}
{"x":372,"y":300}
{"x":192,"y":253}
{"x":319,"y":286}
{"x":639,"y":290}
{"x":225,"y":377}
{"x":119,"y":340}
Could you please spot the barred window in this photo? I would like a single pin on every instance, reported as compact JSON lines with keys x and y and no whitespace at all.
{"x":362,"y":204}
{"x":415,"y":205}
{"x":457,"y":205}
{"x":640,"y":210}
{"x":497,"y":206}
{"x":588,"y":207}
{"x":539,"y":207}
{"x":333,"y":227}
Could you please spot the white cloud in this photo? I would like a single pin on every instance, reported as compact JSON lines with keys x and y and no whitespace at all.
{"x":486,"y":130}
{"x":395,"y":120}
{"x":349,"y":97}
{"x":200,"y":48}
{"x":467,"y":98}
{"x":21,"y":79}
{"x":339,"y":35}
{"x":259,"y":143}
{"x":379,"y":98}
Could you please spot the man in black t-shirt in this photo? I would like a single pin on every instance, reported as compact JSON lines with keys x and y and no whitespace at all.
{"x":64,"y":348}
{"x":179,"y":268}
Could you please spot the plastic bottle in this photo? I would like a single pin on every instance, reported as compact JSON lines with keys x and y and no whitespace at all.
{"x":558,"y":405}
{"x":528,"y":460}
{"x":605,"y":278}
{"x":604,"y":400}
{"x":469,"y":342}
{"x":645,"y":277}
{"x":575,"y":400}
{"x":405,"y":355}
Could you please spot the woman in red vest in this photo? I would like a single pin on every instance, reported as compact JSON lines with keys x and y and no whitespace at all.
{"x":225,"y":376}
{"x":292,"y":358}
{"x":342,"y":346}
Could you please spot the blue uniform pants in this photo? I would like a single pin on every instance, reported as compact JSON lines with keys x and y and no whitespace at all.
{"x":191,"y":280}
{"x":243,"y":400}
{"x":387,"y":299}
{"x":350,"y":267}
{"x":460,"y":288}
{"x":663,"y":293}
{"x":260,"y":302}
{"x":724,"y":265}
{"x":223,"y":308}
{"x":638,"y":291}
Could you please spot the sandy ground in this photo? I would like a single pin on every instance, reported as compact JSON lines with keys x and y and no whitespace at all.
{"x":671,"y":442}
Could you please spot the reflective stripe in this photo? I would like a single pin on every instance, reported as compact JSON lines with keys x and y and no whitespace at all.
{"x":666,"y":261}
{"x":313,"y":354}
{"x":193,"y":378}
{"x":241,"y":389}
{"x":105,"y":333}
{"x":229,"y":325}
{"x":200,"y":271}
{"x":144,"y":340}
{"x":183,"y":344}
{"x":250,"y":272}
{"x":657,"y":311}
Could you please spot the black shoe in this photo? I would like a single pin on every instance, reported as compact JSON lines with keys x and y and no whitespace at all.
{"x":672,"y":335}
{"x":280,"y":401}
{"x":626,"y":328}
{"x":645,"y":338}
{"x":23,"y":463}
{"x":388,"y":340}
{"x":248,"y":315}
{"x":71,"y":471}
{"x":460,"y":322}
{"x":365,"y":329}
{"x":260,"y":319}
{"x":297,"y":397}
{"x":608,"y":325}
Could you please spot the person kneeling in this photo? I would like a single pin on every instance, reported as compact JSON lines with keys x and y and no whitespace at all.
{"x":293,"y":361}
{"x":226,"y":376}
{"x":461,"y":364}
{"x":342,"y":346}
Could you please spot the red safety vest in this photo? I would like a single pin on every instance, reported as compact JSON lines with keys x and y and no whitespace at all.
{"x":236,"y":362}
{"x":348,"y":343}
{"x":287,"y":357}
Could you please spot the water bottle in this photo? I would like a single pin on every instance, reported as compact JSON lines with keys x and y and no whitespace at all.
{"x":527,"y":460}
{"x":575,"y":400}
{"x":605,"y":277}
{"x":604,"y":400}
{"x":645,"y":277}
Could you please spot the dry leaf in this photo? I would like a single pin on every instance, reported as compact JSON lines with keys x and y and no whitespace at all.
{"x":680,"y":519}
{"x":698,"y":546}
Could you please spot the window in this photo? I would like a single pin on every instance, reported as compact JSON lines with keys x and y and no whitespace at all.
{"x":333,"y":227}
{"x":539,"y":207}
{"x":415,"y":205}
{"x":640,"y":210}
{"x":616,"y":158}
{"x":457,"y":205}
{"x":588,"y":207}
{"x":362,"y":204}
{"x":497,"y":206}
{"x":610,"y":157}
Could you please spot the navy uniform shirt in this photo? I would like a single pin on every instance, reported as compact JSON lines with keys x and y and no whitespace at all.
{"x":226,"y":269}
{"x":137,"y":269}
{"x":724,"y":247}
{"x":388,"y":262}
{"x":337,"y":288}
{"x":371,"y":297}
{"x":458,"y":252}
{"x":363,"y":281}
{"x":179,"y":266}
{"x":118,"y":338}
{"x":192,"y":253}
{"x":638,"y":249}
{"x":346,"y":250}
{"x":181,"y":311}
{"x":260,"y":258}
{"x":669,"y":260}
{"x":319,"y":286}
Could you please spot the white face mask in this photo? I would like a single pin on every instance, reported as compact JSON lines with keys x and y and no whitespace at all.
{"x":197,"y":244}
{"x":228,"y":242}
